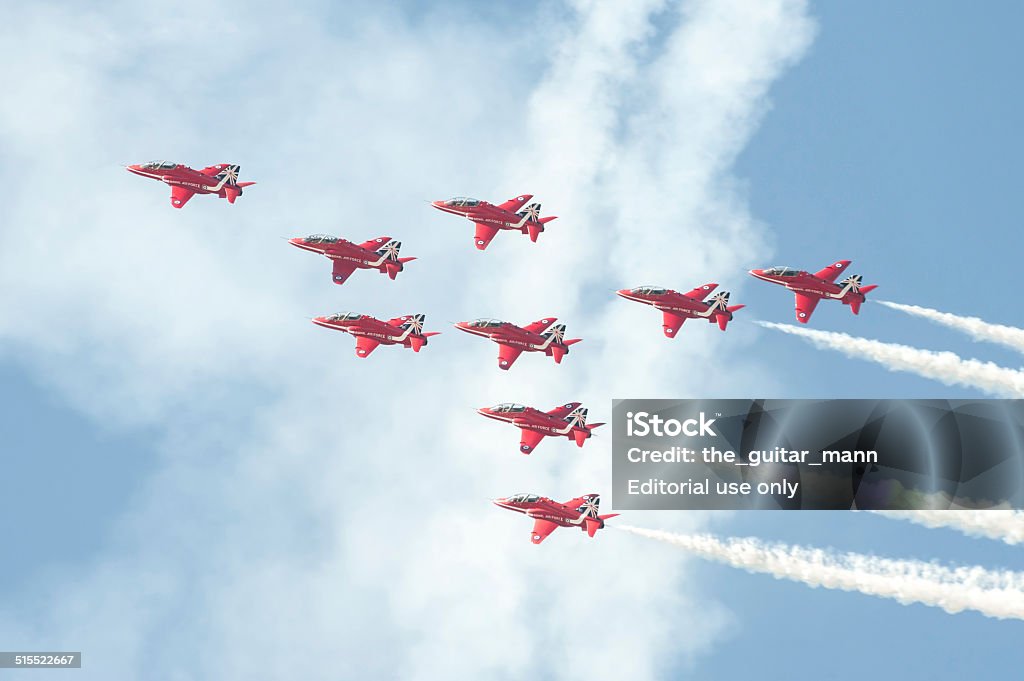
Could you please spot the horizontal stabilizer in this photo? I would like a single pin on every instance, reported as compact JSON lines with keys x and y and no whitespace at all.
{"x":534,"y":231}
{"x":245,"y":184}
{"x":546,"y":220}
{"x":557,"y":353}
{"x":869,"y":288}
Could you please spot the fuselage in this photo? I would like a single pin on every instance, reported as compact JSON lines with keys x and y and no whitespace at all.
{"x":673,"y":301}
{"x":800,"y":281}
{"x":542,"y":508}
{"x":367,"y":326}
{"x":176,"y":174}
{"x":337,"y":248}
{"x":511,"y":334}
{"x":486,"y":213}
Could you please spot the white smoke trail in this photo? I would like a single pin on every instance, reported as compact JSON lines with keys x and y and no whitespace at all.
{"x":994,"y":593}
{"x":1007,"y":526}
{"x":976,"y":328}
{"x":945,"y":367}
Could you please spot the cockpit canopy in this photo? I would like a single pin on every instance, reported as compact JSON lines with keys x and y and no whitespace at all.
{"x":159,"y":165}
{"x":649,"y":290}
{"x":782,"y":271}
{"x":524,"y":497}
{"x":483,"y":323}
{"x":507,"y":407}
{"x":344,"y":317}
{"x":462,"y":201}
{"x":321,"y":239}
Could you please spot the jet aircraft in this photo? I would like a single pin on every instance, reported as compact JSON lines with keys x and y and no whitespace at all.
{"x":379,"y":254}
{"x":370,"y":332}
{"x":221,"y":179}
{"x":490,"y":219}
{"x":549,"y":515}
{"x":568,"y":420}
{"x":543,"y":335}
{"x":677,"y":307}
{"x":811,"y":288}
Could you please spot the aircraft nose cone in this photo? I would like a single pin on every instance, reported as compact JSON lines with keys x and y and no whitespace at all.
{"x":622,"y":292}
{"x":297,"y":241}
{"x":461,"y":325}
{"x":757,"y":272}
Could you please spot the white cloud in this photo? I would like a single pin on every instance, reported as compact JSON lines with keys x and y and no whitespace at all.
{"x":310,"y":505}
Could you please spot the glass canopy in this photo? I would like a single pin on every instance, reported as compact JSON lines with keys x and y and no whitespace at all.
{"x":649,"y":290}
{"x":162,"y":165}
{"x":344,"y":317}
{"x":522,"y":497}
{"x":507,"y":407}
{"x":321,"y":239}
{"x":462,"y":201}
{"x":485,"y":323}
{"x":782,"y":271}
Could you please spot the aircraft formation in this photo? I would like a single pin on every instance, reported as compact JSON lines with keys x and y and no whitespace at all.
{"x":544,"y":336}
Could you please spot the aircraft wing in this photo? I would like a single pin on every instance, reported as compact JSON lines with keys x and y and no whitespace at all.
{"x":513,"y":205}
{"x":564,"y":410}
{"x":180,"y":196}
{"x":701,"y":292}
{"x":671,"y":323}
{"x":364,"y":346}
{"x":374,"y":244}
{"x":484,"y":234}
{"x":529,"y":440}
{"x":805,"y":305}
{"x":507,"y":355}
{"x":832,"y":272}
{"x":540,"y":325}
{"x":343,"y":269}
{"x":541,"y":530}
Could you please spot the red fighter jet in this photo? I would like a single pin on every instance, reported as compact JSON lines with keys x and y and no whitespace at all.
{"x":379,"y":254}
{"x":490,"y":219}
{"x":406,"y":331}
{"x":678,"y":307}
{"x":221,"y":179}
{"x":569,"y":420}
{"x":811,"y":288}
{"x":542,"y":335}
{"x":548,"y":515}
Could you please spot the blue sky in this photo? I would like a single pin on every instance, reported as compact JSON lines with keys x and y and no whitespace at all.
{"x":187,"y":464}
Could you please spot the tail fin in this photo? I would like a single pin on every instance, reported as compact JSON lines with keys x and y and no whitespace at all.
{"x":531,"y":212}
{"x":589,"y":511}
{"x":390,"y":251}
{"x":556,"y":332}
{"x":411,"y":325}
{"x":229,"y":175}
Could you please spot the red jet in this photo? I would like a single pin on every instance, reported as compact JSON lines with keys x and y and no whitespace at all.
{"x":569,"y":420}
{"x":379,"y":254}
{"x":542,"y":335}
{"x":678,"y":307}
{"x":370,"y":332}
{"x":490,"y":218}
{"x":810,"y":288}
{"x":548,"y":515}
{"x":221,"y":179}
